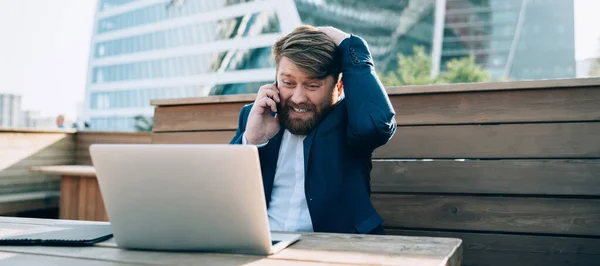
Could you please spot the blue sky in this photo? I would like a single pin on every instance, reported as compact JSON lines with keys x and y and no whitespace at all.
{"x":45,"y":44}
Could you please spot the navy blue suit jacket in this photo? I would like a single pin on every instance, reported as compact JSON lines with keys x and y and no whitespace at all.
{"x":337,"y":153}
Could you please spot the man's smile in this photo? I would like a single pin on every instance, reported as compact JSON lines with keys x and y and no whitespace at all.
{"x":294,"y":111}
{"x":298,"y":110}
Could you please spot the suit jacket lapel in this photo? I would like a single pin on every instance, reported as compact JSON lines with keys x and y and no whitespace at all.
{"x":307,"y":145}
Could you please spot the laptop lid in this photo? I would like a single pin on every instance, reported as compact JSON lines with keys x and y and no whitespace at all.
{"x":184,"y":197}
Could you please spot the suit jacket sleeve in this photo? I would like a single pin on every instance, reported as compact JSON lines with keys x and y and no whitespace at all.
{"x":371,"y":121}
{"x":239,"y":132}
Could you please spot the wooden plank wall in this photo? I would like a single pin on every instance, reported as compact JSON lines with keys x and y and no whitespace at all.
{"x":514,"y":171}
{"x":21,"y":149}
{"x":86,"y":138}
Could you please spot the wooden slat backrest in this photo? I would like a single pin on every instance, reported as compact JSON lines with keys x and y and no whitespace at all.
{"x":549,"y":177}
{"x":85,"y":139}
{"x":477,"y":107}
{"x":458,"y":142}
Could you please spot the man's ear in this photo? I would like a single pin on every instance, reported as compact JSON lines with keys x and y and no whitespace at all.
{"x":340,"y":87}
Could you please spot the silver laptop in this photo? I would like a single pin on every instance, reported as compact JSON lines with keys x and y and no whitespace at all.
{"x":186,"y":198}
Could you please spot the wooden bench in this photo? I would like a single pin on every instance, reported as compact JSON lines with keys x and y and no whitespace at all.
{"x":511,"y":168}
{"x":21,"y":192}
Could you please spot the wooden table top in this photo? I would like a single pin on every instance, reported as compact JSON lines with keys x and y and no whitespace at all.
{"x":311,"y":249}
{"x":73,"y":170}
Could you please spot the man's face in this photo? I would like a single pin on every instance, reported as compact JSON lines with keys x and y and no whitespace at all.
{"x":304,"y":100}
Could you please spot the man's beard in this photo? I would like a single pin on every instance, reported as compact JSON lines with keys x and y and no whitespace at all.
{"x":299,"y":126}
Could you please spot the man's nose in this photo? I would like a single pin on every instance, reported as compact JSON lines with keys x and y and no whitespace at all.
{"x":298,"y":96}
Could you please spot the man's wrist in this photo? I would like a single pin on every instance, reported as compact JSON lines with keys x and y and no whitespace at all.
{"x":245,"y":142}
{"x":336,"y":35}
{"x":346,"y":36}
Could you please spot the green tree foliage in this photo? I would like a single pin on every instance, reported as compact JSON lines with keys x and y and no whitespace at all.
{"x":416,"y":68}
{"x":143,"y":124}
{"x":464,"y":69}
{"x":412,"y":70}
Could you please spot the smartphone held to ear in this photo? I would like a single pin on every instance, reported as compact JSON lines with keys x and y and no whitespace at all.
{"x":274,"y":114}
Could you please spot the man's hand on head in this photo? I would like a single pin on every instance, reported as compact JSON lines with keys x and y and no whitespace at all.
{"x":334,"y":34}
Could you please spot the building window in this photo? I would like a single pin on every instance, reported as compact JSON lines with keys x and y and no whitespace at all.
{"x":99,"y":76}
{"x":557,"y":70}
{"x":155,"y":13}
{"x":184,"y":36}
{"x":101,"y":50}
{"x":102,"y":101}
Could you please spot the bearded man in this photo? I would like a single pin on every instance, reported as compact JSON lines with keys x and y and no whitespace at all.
{"x":316,"y":128}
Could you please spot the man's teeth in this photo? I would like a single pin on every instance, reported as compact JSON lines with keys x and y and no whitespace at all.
{"x":300,"y":110}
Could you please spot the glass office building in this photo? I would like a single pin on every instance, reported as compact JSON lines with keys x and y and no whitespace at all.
{"x":10,"y":109}
{"x":514,"y":39}
{"x":156,"y":49}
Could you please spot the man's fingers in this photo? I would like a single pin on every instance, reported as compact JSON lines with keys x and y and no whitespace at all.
{"x":267,"y":102}
{"x":268,"y":97}
{"x":268,"y":87}
{"x":334,"y":34}
{"x":273,"y":105}
{"x":272,"y":93}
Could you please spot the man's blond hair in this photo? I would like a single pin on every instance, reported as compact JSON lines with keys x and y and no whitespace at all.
{"x":311,"y":50}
